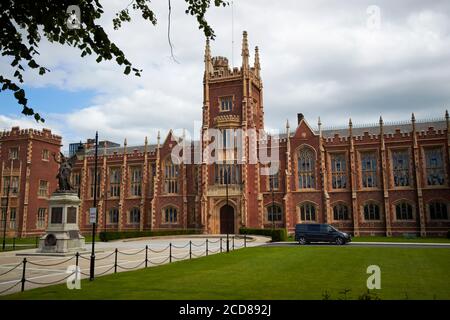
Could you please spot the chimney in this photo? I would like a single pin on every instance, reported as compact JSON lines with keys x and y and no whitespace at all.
{"x":300,"y":117}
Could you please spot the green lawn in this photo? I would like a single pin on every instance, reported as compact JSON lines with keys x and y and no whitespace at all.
{"x":274,"y":273}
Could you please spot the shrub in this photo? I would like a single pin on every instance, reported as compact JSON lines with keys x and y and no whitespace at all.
{"x":276,"y":234}
{"x":115,"y":235}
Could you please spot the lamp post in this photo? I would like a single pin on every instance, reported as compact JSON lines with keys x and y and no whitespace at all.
{"x":106,"y":179}
{"x":92,"y":267}
{"x":7,"y":204}
{"x":5,"y":215}
{"x":226,"y":195}
{"x":273,"y":203}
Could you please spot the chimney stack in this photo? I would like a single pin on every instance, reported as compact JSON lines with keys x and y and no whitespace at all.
{"x":300,"y":117}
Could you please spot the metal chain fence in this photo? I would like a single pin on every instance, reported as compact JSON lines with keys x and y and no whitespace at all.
{"x":194,"y":249}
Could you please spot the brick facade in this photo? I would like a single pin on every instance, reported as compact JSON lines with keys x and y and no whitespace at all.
{"x":384,"y":179}
{"x":27,"y":157}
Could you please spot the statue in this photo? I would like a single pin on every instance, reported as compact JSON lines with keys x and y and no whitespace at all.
{"x":65,"y":169}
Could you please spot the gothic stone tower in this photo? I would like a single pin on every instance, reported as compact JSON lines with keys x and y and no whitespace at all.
{"x":232,"y":102}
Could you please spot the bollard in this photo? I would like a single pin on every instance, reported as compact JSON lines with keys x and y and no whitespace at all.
{"x":220,"y":244}
{"x":233,"y":242}
{"x":23,"y":274}
{"x":245,"y":241}
{"x":170,"y":252}
{"x":206,"y":247}
{"x":190,"y":249}
{"x":146,"y":256}
{"x":228,"y":243}
{"x":77,"y":255}
{"x":14,"y":243}
{"x":115,"y":261}
{"x":37,"y":242}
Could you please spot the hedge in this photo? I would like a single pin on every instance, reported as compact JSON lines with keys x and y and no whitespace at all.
{"x":276,"y":234}
{"x":115,"y":235}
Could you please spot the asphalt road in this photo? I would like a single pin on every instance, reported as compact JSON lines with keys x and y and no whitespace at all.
{"x":366,"y":244}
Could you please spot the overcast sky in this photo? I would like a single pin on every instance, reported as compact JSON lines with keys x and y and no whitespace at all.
{"x":323,"y":58}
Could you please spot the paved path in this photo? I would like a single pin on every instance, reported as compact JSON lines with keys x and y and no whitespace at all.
{"x":45,"y":270}
{"x":368,"y":244}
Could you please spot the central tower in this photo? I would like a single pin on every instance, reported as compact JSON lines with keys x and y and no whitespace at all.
{"x":232,"y":102}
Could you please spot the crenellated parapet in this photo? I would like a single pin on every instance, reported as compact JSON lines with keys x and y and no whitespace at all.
{"x":17,"y":133}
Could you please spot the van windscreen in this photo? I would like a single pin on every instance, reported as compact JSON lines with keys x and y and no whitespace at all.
{"x":314,"y":227}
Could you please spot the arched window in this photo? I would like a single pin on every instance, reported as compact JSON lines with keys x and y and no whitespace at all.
{"x":113,"y":216}
{"x":369,"y":169}
{"x":340,"y":212}
{"x":438,"y":210}
{"x":400,"y":167}
{"x":135,"y":215}
{"x":170,"y":215}
{"x":371,"y":211}
{"x":306,"y":167}
{"x":274,"y":213}
{"x":338,"y":171}
{"x":435,"y":166}
{"x":308,"y":212}
{"x":404,"y":211}
{"x":229,"y":173}
{"x":171,"y":172}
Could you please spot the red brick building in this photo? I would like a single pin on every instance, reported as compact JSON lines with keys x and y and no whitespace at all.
{"x":385,"y":179}
{"x":28,"y":172}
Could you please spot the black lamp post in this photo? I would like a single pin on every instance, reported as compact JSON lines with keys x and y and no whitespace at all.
{"x":226,"y":195}
{"x":273,"y":203}
{"x":5,"y":215}
{"x":91,"y":275}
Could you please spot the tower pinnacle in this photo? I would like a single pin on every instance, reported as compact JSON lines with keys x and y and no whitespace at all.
{"x":245,"y":52}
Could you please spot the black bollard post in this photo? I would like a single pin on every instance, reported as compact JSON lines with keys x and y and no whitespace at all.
{"x":115,"y":261}
{"x":14,"y":243}
{"x":190,"y":249}
{"x":23,"y":274}
{"x":77,"y":255}
{"x":170,"y":252}
{"x":233,"y":242}
{"x":245,"y":241}
{"x":220,"y":244}
{"x":206,"y":247}
{"x":146,"y":256}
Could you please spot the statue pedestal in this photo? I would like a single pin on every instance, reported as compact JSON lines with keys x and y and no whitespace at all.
{"x":62,"y":234}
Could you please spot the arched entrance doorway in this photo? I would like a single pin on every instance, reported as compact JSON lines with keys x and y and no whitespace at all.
{"x":226,"y":219}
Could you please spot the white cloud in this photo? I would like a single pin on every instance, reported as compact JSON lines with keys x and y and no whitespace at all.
{"x":317,"y":57}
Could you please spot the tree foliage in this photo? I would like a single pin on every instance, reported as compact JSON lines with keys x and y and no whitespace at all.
{"x":24,"y":23}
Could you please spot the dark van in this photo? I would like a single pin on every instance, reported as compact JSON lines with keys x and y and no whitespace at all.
{"x":320,"y":232}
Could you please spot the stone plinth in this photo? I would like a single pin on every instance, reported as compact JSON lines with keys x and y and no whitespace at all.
{"x":62,"y":234}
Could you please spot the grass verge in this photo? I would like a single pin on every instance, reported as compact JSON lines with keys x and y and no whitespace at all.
{"x":274,"y":273}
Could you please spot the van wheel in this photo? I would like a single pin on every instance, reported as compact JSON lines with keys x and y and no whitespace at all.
{"x":339,"y":241}
{"x":302,"y":241}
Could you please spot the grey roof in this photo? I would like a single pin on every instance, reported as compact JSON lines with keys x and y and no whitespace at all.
{"x":388,"y":128}
{"x":119,"y":150}
{"x":374,"y":129}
